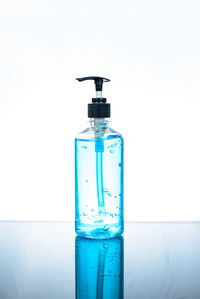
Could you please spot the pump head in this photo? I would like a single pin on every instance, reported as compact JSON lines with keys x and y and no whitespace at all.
{"x":98,"y":108}
{"x":97,"y":80}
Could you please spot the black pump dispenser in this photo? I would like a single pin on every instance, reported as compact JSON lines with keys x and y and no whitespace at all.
{"x":98,"y":108}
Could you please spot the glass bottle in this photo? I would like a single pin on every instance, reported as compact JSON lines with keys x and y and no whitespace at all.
{"x":99,"y":176}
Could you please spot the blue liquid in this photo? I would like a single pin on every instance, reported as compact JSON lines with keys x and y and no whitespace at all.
{"x":99,"y":187}
{"x":99,"y":268}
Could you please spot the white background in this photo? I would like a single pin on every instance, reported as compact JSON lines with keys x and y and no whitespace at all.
{"x":151,"y":52}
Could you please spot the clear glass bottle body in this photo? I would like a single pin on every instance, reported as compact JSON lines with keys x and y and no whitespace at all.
{"x":99,"y":181}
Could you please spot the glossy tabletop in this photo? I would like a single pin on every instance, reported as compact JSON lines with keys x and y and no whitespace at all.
{"x":47,"y":260}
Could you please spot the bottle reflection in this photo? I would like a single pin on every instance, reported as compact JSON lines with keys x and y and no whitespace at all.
{"x":99,"y":268}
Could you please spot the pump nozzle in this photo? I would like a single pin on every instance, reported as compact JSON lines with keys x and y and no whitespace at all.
{"x":98,"y":108}
{"x":97,"y":80}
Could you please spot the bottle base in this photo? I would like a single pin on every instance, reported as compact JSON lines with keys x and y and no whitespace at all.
{"x":106,"y":232}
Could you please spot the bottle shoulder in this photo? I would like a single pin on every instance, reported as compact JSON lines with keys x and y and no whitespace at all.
{"x":90,"y":133}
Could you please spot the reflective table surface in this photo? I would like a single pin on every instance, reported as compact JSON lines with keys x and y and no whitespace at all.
{"x":47,"y":260}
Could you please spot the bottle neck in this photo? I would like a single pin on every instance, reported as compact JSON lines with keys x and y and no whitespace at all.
{"x":99,"y":122}
{"x":99,"y":125}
